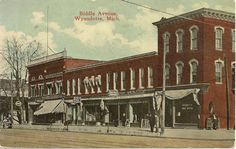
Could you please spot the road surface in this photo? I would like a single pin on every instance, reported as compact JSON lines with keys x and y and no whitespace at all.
{"x":46,"y":139}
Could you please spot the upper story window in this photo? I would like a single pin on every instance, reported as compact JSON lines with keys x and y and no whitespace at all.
{"x":218,"y":70}
{"x":40,"y":77}
{"x":218,"y":37}
{"x":132,"y":78}
{"x":73,"y":86}
{"x":41,"y":89}
{"x":150,"y":77}
{"x":167,"y":71}
{"x":49,"y":87}
{"x":141,"y":78}
{"x":179,"y":72}
{"x":68,"y":87}
{"x":194,"y":37}
{"x":33,"y":91}
{"x":233,"y":40}
{"x":79,"y":86}
{"x":193,"y":70}
{"x":166,"y":41}
{"x":115,"y":80}
{"x":58,"y":86}
{"x":179,"y":40}
{"x":123,"y":83}
{"x":233,"y":76}
{"x":108,"y":81}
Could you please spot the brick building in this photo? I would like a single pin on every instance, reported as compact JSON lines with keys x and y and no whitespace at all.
{"x":196,"y":44}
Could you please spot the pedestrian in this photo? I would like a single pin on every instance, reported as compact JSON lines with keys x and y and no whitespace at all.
{"x":151,"y":118}
{"x":123,"y":119}
{"x":4,"y":122}
{"x":215,"y":121}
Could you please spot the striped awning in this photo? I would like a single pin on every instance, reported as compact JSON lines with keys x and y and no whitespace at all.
{"x":52,"y":106}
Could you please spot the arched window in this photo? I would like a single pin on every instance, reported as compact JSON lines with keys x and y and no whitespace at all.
{"x":179,"y":72}
{"x":179,"y":40}
{"x":218,"y":70}
{"x":218,"y":37}
{"x":167,"y":71}
{"x":193,"y":70}
{"x":166,"y":40}
{"x":194,"y":37}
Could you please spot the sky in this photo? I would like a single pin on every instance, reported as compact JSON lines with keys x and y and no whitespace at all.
{"x":131,"y":32}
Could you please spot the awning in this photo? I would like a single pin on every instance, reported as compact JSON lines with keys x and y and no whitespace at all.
{"x":52,"y":106}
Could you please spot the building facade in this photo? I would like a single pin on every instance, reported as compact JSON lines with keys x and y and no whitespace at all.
{"x":198,"y":45}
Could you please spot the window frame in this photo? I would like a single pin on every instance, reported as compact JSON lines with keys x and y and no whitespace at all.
{"x":191,"y":70}
{"x":220,"y":39}
{"x":179,"y":35}
{"x":221,"y":71}
{"x":193,"y":39}
{"x":166,"y":43}
{"x":178,"y":82}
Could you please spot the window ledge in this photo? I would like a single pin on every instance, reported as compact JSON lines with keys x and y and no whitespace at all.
{"x":219,"y":49}
{"x":150,"y":87}
{"x":219,"y":83}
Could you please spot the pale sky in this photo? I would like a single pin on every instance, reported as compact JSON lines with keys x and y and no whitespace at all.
{"x":132,"y":34}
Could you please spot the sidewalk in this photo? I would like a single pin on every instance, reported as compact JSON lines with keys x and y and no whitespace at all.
{"x":201,"y":134}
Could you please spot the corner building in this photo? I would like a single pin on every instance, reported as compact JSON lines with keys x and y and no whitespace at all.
{"x":199,"y":46}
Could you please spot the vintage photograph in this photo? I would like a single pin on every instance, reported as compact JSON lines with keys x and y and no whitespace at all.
{"x":117,"y":74}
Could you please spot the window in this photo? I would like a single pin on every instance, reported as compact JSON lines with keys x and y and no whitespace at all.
{"x":68,"y":87}
{"x":41,"y":89}
{"x":218,"y":70}
{"x":73,"y":87}
{"x":132,"y":78}
{"x":115,"y":80}
{"x":233,"y":40}
{"x":179,"y":40}
{"x":166,"y":38}
{"x":193,"y":70}
{"x":150,"y":77}
{"x":194,"y":37}
{"x":40,"y":77}
{"x":58,"y":86}
{"x":79,"y":85}
{"x":141,"y":78}
{"x":108,"y":80}
{"x":167,"y":70}
{"x":33,"y":91}
{"x":49,"y":86}
{"x":233,"y":76}
{"x":179,"y":72}
{"x":123,"y":83}
{"x":218,"y":37}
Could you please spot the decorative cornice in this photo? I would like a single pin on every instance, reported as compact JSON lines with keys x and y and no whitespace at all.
{"x":203,"y":12}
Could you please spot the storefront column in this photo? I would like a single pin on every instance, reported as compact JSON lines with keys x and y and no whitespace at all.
{"x":131,"y":113}
{"x":84,"y":115}
{"x":173,"y":114}
{"x":30,"y":115}
{"x":118,"y":115}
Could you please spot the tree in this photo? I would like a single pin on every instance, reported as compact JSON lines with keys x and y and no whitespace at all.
{"x":17,"y":53}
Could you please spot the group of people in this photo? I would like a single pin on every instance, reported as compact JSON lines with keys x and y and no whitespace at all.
{"x":7,"y":121}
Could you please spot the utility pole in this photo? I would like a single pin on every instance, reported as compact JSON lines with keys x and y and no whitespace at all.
{"x":227,"y":92}
{"x":163,"y":91}
{"x":11,"y":96}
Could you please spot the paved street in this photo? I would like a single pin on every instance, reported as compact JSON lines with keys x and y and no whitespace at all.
{"x":45,"y":139}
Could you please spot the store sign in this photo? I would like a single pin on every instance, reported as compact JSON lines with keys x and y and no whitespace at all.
{"x":187,"y":106}
{"x":18,"y":103}
{"x":76,"y":100}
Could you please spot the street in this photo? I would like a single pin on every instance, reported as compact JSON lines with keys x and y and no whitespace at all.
{"x":47,"y":139}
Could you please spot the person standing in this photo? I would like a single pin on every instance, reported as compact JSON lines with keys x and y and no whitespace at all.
{"x":151,"y":118}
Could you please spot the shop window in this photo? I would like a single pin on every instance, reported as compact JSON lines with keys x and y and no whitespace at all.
{"x":33,"y":91}
{"x":218,"y":70}
{"x":123,"y":83}
{"x":218,"y":37}
{"x":179,"y":40}
{"x":166,"y":40}
{"x":194,"y":37}
{"x":141,"y":78}
{"x":193,"y":70}
{"x":179,"y":72}
{"x":132,"y":78}
{"x":167,"y":77}
{"x":49,"y":87}
{"x":150,"y":77}
{"x":58,"y":86}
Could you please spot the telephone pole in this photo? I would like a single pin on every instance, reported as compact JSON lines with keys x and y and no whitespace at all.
{"x":11,"y":96}
{"x":163,"y":91}
{"x":227,"y":92}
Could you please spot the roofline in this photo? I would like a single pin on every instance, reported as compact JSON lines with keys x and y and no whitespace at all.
{"x":204,"y":12}
{"x":113,"y":61}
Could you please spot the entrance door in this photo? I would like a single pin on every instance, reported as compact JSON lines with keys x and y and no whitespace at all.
{"x":169,"y":113}
{"x":113,"y":114}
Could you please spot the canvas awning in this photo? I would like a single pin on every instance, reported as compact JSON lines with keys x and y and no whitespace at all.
{"x":52,"y":106}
